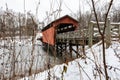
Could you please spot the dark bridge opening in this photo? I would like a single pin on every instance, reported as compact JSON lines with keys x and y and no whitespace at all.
{"x":65,"y":27}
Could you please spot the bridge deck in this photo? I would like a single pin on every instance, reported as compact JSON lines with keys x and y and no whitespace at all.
{"x":75,"y":37}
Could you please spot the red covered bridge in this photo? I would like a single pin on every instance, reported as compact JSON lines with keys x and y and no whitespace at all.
{"x":62,"y":35}
{"x":61,"y":25}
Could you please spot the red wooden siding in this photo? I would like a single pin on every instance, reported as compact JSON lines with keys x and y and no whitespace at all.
{"x":48,"y":36}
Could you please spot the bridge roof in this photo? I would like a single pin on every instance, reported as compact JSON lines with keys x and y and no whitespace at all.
{"x":58,"y":20}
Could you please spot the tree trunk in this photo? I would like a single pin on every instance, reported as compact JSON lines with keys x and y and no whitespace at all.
{"x":104,"y":57}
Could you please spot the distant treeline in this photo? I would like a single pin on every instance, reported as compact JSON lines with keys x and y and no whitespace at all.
{"x":17,"y":24}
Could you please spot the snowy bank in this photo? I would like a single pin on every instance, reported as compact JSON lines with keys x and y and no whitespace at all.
{"x":90,"y":68}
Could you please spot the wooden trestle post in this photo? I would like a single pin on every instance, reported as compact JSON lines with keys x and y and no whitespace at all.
{"x":70,"y":49}
{"x":83,"y":47}
{"x":119,"y":31}
{"x":57,"y":51}
{"x":65,"y":48}
{"x":77,"y":51}
{"x":108,"y":33}
{"x":90,"y":31}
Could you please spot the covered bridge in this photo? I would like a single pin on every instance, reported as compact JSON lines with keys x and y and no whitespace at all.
{"x":61,"y":25}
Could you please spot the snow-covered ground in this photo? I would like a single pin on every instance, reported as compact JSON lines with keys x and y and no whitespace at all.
{"x":88,"y":68}
{"x":18,"y":56}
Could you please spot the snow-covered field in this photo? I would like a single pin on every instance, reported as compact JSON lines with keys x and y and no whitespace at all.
{"x":89,"y":68}
{"x":19,"y":56}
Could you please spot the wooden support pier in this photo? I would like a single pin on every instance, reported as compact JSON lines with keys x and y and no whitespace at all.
{"x":70,"y":45}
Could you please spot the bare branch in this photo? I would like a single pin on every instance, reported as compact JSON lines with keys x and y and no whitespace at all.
{"x":106,"y":15}
{"x":93,"y":4}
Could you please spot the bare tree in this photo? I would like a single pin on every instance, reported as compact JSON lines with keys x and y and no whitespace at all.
{"x":103,"y":33}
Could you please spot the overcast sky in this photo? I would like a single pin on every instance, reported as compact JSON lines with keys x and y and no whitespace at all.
{"x":68,"y":6}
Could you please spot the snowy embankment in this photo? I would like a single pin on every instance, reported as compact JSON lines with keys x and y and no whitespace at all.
{"x":89,"y":68}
